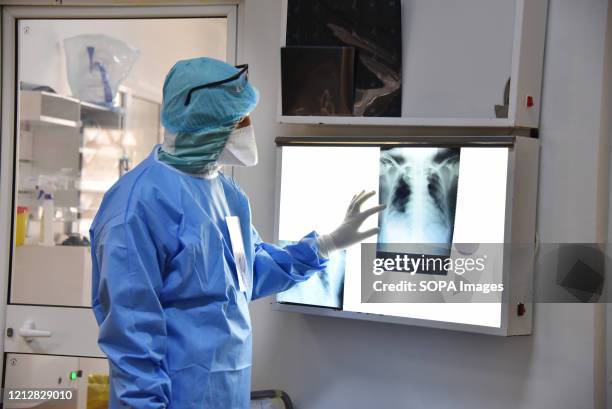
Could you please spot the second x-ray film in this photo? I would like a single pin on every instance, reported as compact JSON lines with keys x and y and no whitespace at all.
{"x":435,"y":196}
{"x":325,"y":288}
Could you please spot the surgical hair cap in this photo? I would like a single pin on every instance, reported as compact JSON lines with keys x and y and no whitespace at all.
{"x":210,"y":109}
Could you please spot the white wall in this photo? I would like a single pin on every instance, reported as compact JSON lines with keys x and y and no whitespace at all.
{"x":161,"y":43}
{"x":332,"y":363}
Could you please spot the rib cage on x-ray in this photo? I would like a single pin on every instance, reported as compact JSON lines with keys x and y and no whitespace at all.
{"x":324,"y":288}
{"x":419,"y":186}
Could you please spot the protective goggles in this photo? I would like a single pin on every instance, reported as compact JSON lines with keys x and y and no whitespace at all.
{"x":244,"y":68}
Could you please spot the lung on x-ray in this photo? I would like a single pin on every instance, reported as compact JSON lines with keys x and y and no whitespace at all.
{"x":419,"y":187}
{"x":323,"y":289}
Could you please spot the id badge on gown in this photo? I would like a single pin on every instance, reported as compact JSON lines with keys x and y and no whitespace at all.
{"x":233,"y":226}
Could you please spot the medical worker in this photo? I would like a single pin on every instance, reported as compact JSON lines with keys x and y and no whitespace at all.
{"x":176,"y":259}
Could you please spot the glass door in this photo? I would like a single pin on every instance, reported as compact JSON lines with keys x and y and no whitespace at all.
{"x":84,"y":87}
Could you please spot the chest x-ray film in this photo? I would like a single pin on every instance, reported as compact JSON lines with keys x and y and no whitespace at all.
{"x":419,"y":187}
{"x":436,"y":196}
{"x":324,"y":289}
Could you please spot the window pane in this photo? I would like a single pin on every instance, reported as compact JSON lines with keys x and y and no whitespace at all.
{"x":84,"y":120}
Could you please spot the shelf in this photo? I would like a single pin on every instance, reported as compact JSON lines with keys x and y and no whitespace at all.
{"x":58,"y":97}
{"x":100,"y":115}
{"x":45,"y":108}
{"x":49,"y":120}
{"x":457,"y":58}
{"x":48,"y":109}
{"x":96,"y":107}
{"x":397,"y":121}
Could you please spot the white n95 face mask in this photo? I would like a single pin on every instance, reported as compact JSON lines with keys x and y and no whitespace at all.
{"x":240,"y":149}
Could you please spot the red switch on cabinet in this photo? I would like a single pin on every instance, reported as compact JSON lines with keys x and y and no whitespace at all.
{"x":530,"y":102}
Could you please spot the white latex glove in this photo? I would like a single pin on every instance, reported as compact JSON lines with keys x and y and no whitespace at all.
{"x":348,"y":232}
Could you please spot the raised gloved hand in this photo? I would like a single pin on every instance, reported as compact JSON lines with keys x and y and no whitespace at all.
{"x":348,"y":232}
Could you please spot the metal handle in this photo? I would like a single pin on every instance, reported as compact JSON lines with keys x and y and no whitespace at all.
{"x":28,"y":331}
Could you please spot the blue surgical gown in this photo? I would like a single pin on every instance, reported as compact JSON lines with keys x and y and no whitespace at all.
{"x":173,"y":321}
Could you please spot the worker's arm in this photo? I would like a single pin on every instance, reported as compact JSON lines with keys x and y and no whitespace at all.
{"x":126,"y":284}
{"x":276,"y":269}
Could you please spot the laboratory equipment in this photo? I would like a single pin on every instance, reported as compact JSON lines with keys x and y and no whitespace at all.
{"x":477,"y":194}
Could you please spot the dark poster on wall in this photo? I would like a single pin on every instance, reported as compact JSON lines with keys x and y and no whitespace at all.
{"x":374,"y":29}
{"x":318,"y":80}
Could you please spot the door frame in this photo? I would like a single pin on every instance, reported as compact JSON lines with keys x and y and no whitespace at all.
{"x":78,"y":317}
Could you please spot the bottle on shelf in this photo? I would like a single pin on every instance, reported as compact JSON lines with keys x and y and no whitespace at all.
{"x":21,"y":225}
{"x":46,"y":224}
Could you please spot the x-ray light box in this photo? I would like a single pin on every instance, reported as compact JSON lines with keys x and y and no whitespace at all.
{"x":443,"y":194}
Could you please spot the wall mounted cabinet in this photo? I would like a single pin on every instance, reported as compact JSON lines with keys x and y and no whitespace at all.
{"x":457,"y":59}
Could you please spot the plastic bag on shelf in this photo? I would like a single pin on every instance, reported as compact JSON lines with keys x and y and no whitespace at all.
{"x":97,"y":64}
